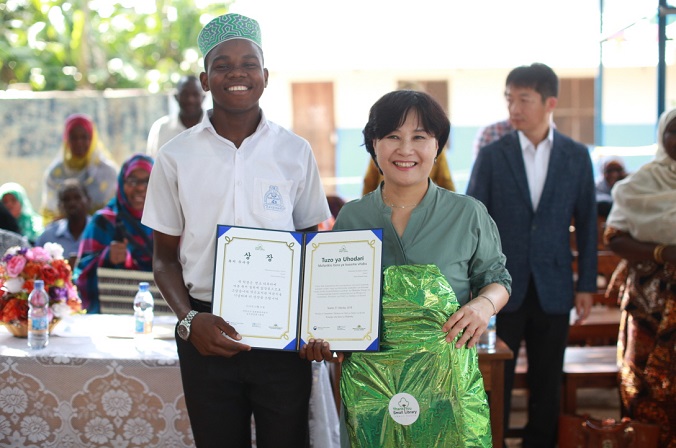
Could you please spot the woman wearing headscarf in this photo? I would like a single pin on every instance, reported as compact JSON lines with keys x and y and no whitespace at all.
{"x":7,"y":220}
{"x":641,"y":228}
{"x":83,"y":157}
{"x":612,"y":171}
{"x":16,"y":200}
{"x":115,"y":237}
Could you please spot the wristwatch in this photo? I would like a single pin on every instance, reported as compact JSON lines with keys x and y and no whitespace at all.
{"x":184,"y":325}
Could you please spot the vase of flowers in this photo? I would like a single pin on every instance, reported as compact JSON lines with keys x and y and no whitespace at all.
{"x":19,"y":268}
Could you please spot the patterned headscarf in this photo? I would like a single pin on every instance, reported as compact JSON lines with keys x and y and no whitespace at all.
{"x":227,"y":27}
{"x":117,"y":221}
{"x":78,"y":163}
{"x":644,"y":204}
{"x":135,"y":162}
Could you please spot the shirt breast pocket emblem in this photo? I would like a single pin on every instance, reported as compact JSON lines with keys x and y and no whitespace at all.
{"x":273,"y":199}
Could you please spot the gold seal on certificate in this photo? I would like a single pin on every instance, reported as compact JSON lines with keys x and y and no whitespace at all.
{"x":279,"y":289}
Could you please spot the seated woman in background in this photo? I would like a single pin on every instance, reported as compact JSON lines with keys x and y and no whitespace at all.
{"x":115,"y":237}
{"x":9,"y":231}
{"x":83,"y":157}
{"x":641,"y":228}
{"x":16,"y":200}
{"x":612,"y":171}
{"x":74,"y":205}
{"x":7,"y":221}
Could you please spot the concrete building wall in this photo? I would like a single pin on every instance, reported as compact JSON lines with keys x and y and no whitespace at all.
{"x":32,"y":125}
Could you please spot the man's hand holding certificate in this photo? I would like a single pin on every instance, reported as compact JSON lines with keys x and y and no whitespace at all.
{"x":279,"y":289}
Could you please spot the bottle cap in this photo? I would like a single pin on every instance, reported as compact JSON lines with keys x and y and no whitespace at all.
{"x":39,"y":284}
{"x":143,"y":286}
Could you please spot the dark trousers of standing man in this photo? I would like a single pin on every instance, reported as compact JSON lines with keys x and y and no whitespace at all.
{"x":222,"y":393}
{"x":546,"y":337}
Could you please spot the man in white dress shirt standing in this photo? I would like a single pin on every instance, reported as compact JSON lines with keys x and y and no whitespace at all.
{"x":189,"y":96}
{"x":534,"y":182}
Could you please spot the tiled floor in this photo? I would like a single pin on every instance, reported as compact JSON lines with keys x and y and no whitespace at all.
{"x":598,"y":403}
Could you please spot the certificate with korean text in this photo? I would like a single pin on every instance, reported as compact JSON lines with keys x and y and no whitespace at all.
{"x":279,"y":289}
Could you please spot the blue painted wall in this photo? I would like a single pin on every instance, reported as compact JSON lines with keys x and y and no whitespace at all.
{"x":351,"y":162}
{"x":629,"y":134}
{"x":461,"y":156}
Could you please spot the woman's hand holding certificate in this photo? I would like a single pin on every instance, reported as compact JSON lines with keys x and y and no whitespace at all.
{"x":320,"y":350}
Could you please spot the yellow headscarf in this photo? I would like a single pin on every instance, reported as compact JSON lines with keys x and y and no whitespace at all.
{"x":72,"y":162}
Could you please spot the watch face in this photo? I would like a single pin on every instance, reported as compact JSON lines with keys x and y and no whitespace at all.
{"x":183,"y":332}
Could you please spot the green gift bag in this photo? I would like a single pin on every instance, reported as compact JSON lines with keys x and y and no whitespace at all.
{"x":419,"y":390}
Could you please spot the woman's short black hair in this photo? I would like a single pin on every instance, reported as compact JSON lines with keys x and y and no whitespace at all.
{"x":389,"y":113}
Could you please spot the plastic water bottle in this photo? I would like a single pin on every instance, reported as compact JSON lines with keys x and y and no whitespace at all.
{"x":143,"y":318}
{"x":38,"y":316}
{"x":487,"y":339}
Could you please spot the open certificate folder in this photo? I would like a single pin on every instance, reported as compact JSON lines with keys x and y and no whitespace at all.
{"x":278,"y":289}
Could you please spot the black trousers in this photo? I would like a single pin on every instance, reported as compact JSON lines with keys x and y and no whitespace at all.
{"x":222,"y":393}
{"x":546,"y":338}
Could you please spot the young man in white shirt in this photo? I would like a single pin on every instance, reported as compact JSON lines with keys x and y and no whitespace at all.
{"x":218,"y":172}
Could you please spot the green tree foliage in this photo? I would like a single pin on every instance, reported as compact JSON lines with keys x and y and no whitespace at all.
{"x":100,"y":44}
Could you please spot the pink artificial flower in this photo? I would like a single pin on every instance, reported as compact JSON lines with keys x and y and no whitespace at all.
{"x":15,"y":265}
{"x":72,"y":293}
{"x":38,"y":254}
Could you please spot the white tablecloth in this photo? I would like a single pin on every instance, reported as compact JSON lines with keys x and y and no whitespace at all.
{"x":91,"y":388}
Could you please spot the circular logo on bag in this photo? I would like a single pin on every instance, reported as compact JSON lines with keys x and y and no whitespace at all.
{"x":404,"y":409}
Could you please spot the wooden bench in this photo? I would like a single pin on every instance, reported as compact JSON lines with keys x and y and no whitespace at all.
{"x":583,"y":368}
{"x":588,"y":367}
{"x":606,"y":262}
{"x":600,"y":328}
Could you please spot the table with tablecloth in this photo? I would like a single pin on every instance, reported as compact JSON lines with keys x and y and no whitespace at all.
{"x":90,"y":387}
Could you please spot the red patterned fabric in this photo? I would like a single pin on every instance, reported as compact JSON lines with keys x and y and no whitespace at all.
{"x":647,"y":293}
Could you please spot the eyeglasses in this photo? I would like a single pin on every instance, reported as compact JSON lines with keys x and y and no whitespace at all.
{"x":136,"y":182}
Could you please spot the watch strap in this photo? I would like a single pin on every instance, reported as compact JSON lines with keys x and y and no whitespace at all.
{"x":188,"y":318}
